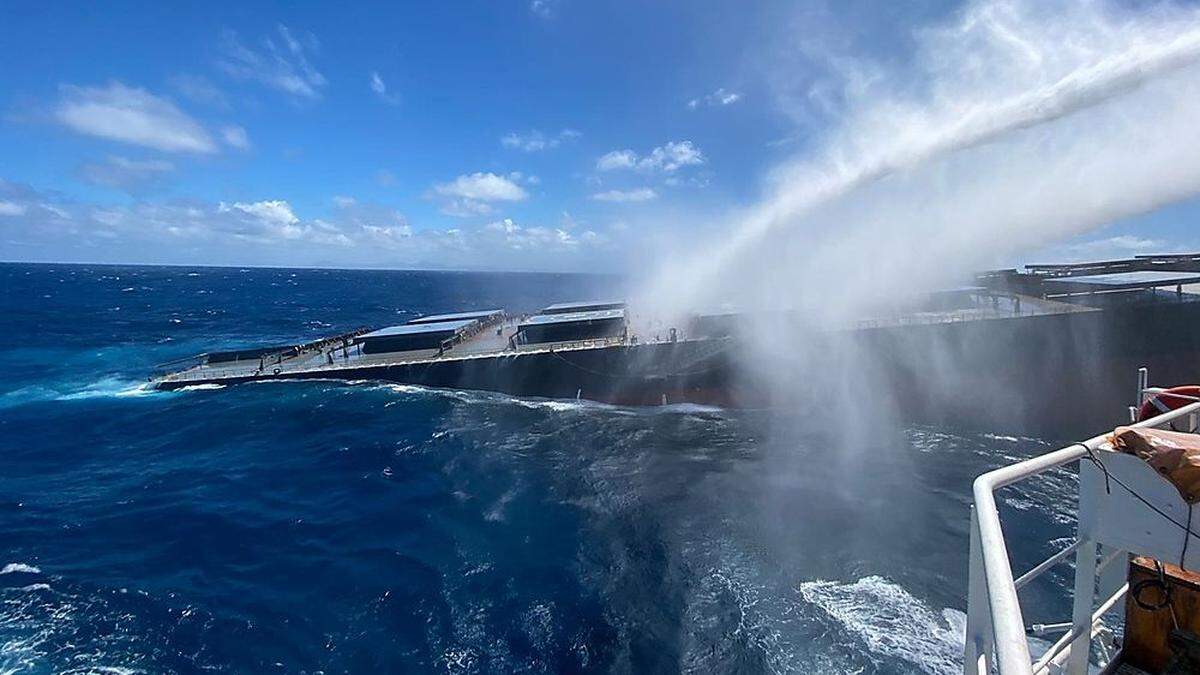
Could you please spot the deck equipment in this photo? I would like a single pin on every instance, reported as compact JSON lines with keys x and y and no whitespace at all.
{"x":1126,"y":509}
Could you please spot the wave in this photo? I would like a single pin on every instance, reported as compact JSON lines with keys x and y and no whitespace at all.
{"x":109,"y":387}
{"x":202,"y":387}
{"x":23,"y":568}
{"x":42,"y":627}
{"x":892,"y":622}
{"x":560,"y":405}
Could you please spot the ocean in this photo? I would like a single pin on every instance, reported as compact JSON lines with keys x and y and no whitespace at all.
{"x":322,"y":527}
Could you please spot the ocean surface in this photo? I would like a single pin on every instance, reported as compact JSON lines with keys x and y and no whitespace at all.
{"x":324,"y":527}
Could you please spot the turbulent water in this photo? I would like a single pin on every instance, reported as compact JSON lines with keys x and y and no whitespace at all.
{"x":331,"y":527}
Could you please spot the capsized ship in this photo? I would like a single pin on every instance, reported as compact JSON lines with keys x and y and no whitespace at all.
{"x":995,"y":352}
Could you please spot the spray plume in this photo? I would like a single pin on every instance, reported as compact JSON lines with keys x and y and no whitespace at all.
{"x":1016,"y":125}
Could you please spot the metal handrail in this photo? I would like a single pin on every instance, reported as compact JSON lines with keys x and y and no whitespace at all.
{"x":1006,"y":621}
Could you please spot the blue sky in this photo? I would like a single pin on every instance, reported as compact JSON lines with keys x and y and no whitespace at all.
{"x":552,"y":134}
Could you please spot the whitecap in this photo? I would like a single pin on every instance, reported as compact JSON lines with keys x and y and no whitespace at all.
{"x":202,"y":387}
{"x":689,"y":408}
{"x":892,"y":622}
{"x":13,"y":568}
{"x":109,"y":387}
{"x":556,"y":406}
{"x":399,"y":388}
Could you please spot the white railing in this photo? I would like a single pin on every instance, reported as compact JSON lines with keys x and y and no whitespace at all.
{"x":996,"y":631}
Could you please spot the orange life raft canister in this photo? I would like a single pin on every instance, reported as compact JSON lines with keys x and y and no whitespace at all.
{"x":1175,"y":397}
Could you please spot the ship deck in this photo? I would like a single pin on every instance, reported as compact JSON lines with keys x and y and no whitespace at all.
{"x":491,"y":341}
{"x":329,"y":358}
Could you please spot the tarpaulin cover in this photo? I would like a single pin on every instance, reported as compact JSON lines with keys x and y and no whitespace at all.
{"x":1173,"y":454}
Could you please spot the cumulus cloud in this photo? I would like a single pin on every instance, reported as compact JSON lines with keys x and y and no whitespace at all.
{"x":666,"y":158}
{"x":536,"y":141}
{"x":274,"y":211}
{"x":637,"y":195}
{"x":508,"y":234}
{"x":45,"y":226}
{"x":281,"y":62}
{"x":129,"y":175}
{"x":617,"y":159}
{"x":131,"y":115}
{"x":380,"y":88}
{"x":720,"y":97}
{"x":483,"y":187}
{"x":474,"y":194}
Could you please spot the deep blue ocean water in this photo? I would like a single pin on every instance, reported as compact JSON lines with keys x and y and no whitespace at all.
{"x":304,"y":527}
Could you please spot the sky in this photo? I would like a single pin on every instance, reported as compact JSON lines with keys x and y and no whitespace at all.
{"x":504,"y":134}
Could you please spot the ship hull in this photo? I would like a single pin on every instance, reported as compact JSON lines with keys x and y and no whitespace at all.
{"x":1057,"y":374}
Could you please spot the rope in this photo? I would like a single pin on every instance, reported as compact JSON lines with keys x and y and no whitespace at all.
{"x":1187,"y":528}
{"x":1166,"y":600}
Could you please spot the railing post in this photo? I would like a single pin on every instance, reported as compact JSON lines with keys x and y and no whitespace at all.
{"x":977,"y":656}
{"x":1081,"y":615}
{"x":1143,"y":381}
{"x":1113,"y":576}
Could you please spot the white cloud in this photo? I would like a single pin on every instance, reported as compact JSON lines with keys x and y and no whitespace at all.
{"x":370,"y":224}
{"x":273,"y":211}
{"x":542,"y":8}
{"x":518,"y":238}
{"x":131,"y":115}
{"x":671,"y":157}
{"x":484,"y":187}
{"x":720,"y":97}
{"x":12,"y":209}
{"x":380,"y":88}
{"x":637,"y":195}
{"x":272,"y":232}
{"x":472,"y":194}
{"x":285,"y":68}
{"x":666,"y":158}
{"x":536,"y":141}
{"x":122,"y":173}
{"x":617,"y":159}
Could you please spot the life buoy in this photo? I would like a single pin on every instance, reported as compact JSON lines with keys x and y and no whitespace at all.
{"x":1165,"y":402}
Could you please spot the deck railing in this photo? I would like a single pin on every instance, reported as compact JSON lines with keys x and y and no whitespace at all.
{"x":996,"y":631}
